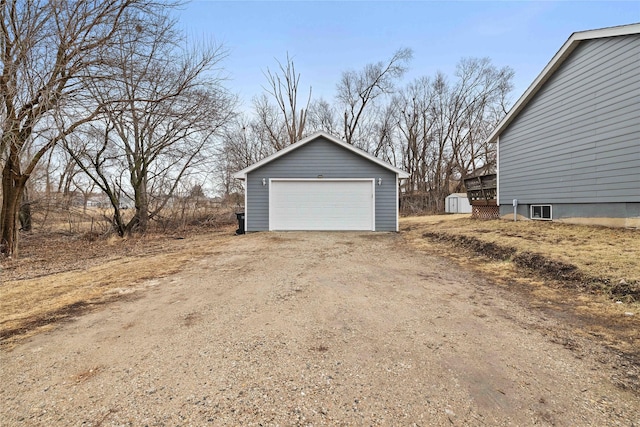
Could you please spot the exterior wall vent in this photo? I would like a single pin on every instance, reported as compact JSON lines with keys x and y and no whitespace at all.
{"x":541,"y":212}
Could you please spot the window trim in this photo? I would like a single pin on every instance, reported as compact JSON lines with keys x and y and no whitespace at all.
{"x":541,"y":218}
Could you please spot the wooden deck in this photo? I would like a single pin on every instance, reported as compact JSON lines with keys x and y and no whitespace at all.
{"x":482,"y":190}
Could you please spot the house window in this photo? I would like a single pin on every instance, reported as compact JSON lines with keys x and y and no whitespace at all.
{"x":541,"y":212}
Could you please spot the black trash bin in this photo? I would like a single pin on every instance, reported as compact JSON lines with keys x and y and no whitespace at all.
{"x":240,"y":216}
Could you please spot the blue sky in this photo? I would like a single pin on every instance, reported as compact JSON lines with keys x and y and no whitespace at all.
{"x":326,"y":38}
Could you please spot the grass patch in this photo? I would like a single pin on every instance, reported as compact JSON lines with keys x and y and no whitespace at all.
{"x":59,"y":277}
{"x":588,"y":274}
{"x":561,"y":251}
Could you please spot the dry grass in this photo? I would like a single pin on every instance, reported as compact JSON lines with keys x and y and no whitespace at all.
{"x":59,"y":276}
{"x":590,"y":254}
{"x":95,"y":220}
{"x":599,"y":252}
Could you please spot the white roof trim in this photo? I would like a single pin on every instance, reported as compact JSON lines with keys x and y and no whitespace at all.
{"x":566,"y":49}
{"x":243,"y":173}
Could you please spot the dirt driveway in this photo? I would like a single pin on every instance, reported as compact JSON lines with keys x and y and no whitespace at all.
{"x":312,"y":329}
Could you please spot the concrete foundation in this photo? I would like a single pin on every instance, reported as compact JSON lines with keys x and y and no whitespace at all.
{"x":607,"y":214}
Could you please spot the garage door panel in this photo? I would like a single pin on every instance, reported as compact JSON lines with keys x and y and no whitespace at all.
{"x":321,"y":205}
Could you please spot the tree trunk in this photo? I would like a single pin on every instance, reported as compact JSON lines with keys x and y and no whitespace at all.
{"x":140,"y":221}
{"x":25,"y":217}
{"x":13,"y":183}
{"x":25,"y":211}
{"x":116,"y":220}
{"x":142,"y":215}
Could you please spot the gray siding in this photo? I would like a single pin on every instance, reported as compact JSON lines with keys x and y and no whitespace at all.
{"x":578,"y":139}
{"x":583,"y":210}
{"x":320,"y":157}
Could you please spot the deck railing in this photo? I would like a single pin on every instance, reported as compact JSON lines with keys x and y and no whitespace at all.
{"x":482,"y":190}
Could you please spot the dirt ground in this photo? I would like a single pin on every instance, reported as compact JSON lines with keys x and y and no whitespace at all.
{"x":315,"y":329}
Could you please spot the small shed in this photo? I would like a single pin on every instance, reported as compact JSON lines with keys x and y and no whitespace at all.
{"x":457,"y":203}
{"x":321,"y":183}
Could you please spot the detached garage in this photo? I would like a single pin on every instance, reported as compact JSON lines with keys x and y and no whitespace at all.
{"x":321,"y":183}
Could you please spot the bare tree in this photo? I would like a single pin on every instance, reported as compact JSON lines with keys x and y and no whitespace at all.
{"x":95,"y":154}
{"x":170,"y":105}
{"x":283,"y":86}
{"x":481,"y":96}
{"x":383,"y":133}
{"x":242,"y":145}
{"x":415,"y":123}
{"x":268,"y":124}
{"x":359,"y":89}
{"x":49,"y":50}
{"x":443,"y":127}
{"x":322,"y":117}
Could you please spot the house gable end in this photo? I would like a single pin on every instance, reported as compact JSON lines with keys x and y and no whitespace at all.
{"x":549,"y":70}
{"x":324,"y":136}
{"x":319,"y":157}
{"x":577,"y":139}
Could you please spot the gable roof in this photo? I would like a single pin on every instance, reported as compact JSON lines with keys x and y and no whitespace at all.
{"x":243,"y":173}
{"x":559,"y":58}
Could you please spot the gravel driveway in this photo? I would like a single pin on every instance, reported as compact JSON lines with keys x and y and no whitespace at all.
{"x":311,"y":329}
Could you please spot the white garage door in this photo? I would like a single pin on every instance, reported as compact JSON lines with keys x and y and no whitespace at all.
{"x":321,"y":204}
